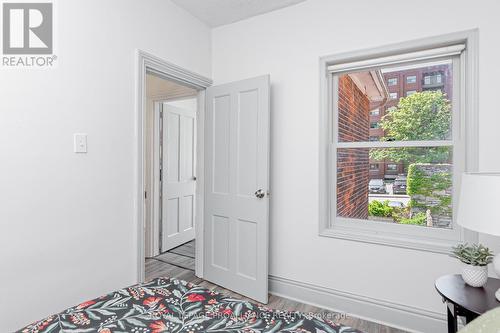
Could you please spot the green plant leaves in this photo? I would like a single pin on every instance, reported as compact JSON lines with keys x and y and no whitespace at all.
{"x":475,"y":254}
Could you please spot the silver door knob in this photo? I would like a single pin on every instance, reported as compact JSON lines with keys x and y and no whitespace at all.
{"x":260,"y":193}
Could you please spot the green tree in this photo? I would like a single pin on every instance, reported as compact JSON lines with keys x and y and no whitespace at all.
{"x":420,"y":116}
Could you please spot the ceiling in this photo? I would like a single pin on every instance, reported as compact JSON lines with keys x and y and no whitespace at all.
{"x":219,"y":12}
{"x":157,"y":87}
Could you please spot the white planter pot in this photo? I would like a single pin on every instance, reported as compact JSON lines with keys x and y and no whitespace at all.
{"x":475,"y":276}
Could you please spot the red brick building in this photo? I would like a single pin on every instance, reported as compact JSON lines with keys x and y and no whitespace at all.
{"x":358,"y":94}
{"x":401,"y":83}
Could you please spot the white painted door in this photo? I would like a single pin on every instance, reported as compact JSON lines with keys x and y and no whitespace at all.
{"x":178,"y":182}
{"x":236,"y":214}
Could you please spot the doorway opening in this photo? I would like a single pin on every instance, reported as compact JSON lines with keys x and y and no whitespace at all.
{"x":170,"y":174}
{"x":205,"y":171}
{"x":173,"y":98}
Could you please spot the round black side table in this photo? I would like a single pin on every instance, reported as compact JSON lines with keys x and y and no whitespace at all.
{"x":464,"y":300}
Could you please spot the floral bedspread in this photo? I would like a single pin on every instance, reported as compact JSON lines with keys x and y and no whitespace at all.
{"x":171,"y":305}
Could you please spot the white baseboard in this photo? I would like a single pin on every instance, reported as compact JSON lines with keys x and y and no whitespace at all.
{"x":397,"y":315}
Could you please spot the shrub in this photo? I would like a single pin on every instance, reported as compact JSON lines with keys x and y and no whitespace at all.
{"x":427,"y":184}
{"x":430,"y":183}
{"x":382,"y":209}
{"x":417,"y":219}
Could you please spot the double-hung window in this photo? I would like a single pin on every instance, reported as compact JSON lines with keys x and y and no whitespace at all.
{"x":422,"y":141}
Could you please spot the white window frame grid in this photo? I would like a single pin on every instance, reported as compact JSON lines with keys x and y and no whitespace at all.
{"x":463,"y":141}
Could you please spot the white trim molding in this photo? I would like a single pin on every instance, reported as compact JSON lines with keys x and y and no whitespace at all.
{"x":148,"y":63}
{"x":462,"y":49}
{"x":169,"y":71}
{"x":401,"y":316}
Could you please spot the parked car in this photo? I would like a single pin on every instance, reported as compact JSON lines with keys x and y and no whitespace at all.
{"x":399,"y":186}
{"x":376,"y":186}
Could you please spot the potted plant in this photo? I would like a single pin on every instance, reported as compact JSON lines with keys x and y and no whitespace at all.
{"x":476,"y":258}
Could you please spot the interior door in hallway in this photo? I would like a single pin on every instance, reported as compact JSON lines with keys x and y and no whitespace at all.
{"x":177,"y":173}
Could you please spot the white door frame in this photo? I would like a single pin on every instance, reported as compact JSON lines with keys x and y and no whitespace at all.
{"x":148,"y":63}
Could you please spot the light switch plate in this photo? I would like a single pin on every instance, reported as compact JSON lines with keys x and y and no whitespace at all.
{"x":80,"y":142}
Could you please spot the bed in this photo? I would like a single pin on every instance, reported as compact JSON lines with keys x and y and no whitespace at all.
{"x":172,"y":305}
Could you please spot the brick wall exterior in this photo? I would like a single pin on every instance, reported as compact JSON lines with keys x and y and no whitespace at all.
{"x":354,"y":115}
{"x":352,"y":164}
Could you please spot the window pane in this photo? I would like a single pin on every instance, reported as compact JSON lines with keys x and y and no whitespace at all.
{"x":415,"y":187}
{"x":392,"y":167}
{"x":411,"y":79}
{"x":423,"y":112}
{"x":392,"y":81}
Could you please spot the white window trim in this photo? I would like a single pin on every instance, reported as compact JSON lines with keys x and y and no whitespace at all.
{"x":406,"y":236}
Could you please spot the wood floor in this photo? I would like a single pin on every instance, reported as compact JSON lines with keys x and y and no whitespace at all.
{"x":179,"y":263}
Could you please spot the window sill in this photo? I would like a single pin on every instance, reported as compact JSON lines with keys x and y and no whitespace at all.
{"x":426,"y":244}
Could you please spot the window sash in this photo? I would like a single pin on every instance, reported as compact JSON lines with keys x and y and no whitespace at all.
{"x":359,"y":229}
{"x":394,"y":144}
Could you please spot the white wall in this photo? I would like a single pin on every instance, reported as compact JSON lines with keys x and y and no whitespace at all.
{"x":287,"y":44}
{"x":185,"y":103}
{"x":67,"y":221}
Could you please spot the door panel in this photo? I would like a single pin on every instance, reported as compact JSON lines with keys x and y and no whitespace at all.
{"x":178,"y":186}
{"x":236,"y":166}
{"x":220,"y":148}
{"x":187,"y":207}
{"x":219,"y":254}
{"x":187,"y":169}
{"x":248,"y":122}
{"x":247,"y":259}
{"x":172,"y":143}
{"x":172,"y":216}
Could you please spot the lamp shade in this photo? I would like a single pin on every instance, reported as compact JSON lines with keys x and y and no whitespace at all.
{"x":479,"y":203}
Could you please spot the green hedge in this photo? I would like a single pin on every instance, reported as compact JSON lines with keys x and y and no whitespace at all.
{"x":421,"y":184}
{"x":417,"y":219}
{"x":382,"y":209}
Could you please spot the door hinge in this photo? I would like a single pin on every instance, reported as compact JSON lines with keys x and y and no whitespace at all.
{"x":145,"y":195}
{"x":161,"y":173}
